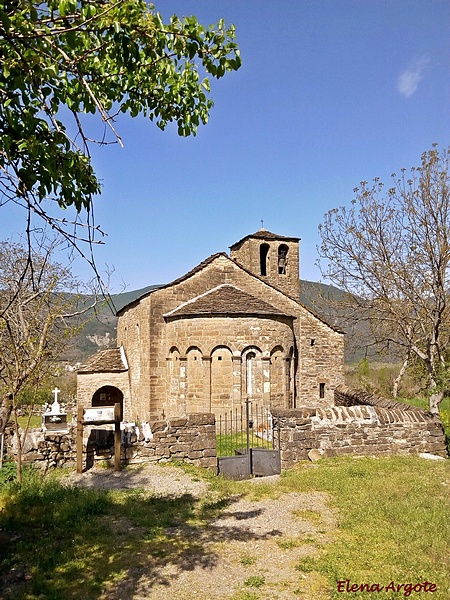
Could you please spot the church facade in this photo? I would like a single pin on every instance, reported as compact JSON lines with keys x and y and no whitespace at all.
{"x":232,"y":328}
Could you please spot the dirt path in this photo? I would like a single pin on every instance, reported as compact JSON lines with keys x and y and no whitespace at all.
{"x":252,"y":551}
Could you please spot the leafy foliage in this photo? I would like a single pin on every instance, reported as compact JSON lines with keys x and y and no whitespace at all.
{"x":63,"y":59}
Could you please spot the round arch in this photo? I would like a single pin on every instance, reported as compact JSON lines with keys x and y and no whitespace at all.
{"x":278,"y":350}
{"x":108,"y":395}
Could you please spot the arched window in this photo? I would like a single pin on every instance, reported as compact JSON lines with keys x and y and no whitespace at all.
{"x":282,"y":259}
{"x":250,"y":375}
{"x":263,"y":252}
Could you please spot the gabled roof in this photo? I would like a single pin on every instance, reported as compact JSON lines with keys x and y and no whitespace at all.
{"x":263,"y":234}
{"x":225,"y":300}
{"x":211,"y":259}
{"x":106,"y":361}
{"x":196,"y":269}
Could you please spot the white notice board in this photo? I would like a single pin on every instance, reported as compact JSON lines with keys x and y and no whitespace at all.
{"x":103,"y":413}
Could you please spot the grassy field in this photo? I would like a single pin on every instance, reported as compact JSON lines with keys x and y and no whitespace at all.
{"x":393,"y":517}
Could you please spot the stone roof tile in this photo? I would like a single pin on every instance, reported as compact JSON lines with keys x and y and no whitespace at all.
{"x":109,"y":360}
{"x":264,"y":234}
{"x":226,"y":300}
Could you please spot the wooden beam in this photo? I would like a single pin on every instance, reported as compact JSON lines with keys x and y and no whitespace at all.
{"x":80,"y":414}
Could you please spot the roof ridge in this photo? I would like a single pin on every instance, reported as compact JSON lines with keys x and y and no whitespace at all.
{"x":226,"y":299}
{"x":183,"y":304}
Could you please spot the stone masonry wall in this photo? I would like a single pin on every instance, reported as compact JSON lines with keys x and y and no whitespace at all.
{"x":47,"y":449}
{"x":248,"y":255}
{"x":147,"y":354}
{"x":89,"y":383}
{"x":212,"y":377}
{"x":356,"y":430}
{"x":190,"y":439}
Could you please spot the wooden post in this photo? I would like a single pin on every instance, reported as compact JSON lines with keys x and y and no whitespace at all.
{"x":80,"y":414}
{"x":117,"y":416}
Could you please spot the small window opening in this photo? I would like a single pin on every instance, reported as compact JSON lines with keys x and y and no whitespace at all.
{"x":282,"y":259}
{"x":321,"y":390}
{"x":263,"y":252}
{"x":313,"y":341}
{"x":219,"y":358}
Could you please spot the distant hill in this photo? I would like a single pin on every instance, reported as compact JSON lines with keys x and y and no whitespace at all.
{"x":101,"y":329}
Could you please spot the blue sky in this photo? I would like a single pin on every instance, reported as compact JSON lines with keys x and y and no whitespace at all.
{"x":331,"y":92}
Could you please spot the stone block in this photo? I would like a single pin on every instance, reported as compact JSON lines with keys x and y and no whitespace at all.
{"x":199,"y":444}
{"x":195,"y":454}
{"x":185,"y":438}
{"x":162,"y":451}
{"x":201,"y":419}
{"x":179,"y":422}
{"x":208,"y":463}
{"x":209,"y":452}
{"x":170,"y":439}
{"x":286,"y":455}
{"x":32,"y":457}
{"x":145,"y":451}
{"x":183,"y":448}
{"x":157,"y":426}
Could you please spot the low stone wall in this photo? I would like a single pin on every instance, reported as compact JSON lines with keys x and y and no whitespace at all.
{"x":45,"y":448}
{"x":190,"y":439}
{"x":344,"y":396}
{"x":356,"y":430}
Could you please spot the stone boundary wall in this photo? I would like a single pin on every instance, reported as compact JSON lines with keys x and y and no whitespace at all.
{"x":46,"y":449}
{"x":356,"y":430}
{"x":190,"y":439}
{"x":344,"y":396}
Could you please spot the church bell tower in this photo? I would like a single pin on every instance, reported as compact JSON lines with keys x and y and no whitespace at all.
{"x":274,"y":258}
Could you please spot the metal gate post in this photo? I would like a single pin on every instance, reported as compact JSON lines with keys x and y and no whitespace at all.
{"x":247,"y":416}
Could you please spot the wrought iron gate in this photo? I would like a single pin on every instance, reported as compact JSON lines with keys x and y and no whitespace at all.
{"x":245,"y":443}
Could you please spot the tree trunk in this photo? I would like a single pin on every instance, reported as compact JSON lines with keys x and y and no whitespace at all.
{"x":19,"y":450}
{"x":5,"y":412}
{"x":399,"y":378}
{"x":435,"y":400}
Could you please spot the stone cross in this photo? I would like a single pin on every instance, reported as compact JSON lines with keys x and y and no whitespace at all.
{"x":55,"y":405}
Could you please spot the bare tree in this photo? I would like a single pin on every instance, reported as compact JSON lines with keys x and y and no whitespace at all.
{"x":390,"y":250}
{"x":39,"y":313}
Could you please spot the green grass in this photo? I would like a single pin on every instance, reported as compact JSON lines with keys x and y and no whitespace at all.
{"x":227,"y":444}
{"x":255,"y":581}
{"x":394,"y":521}
{"x":423,"y":402}
{"x":35,"y":421}
{"x":393,"y":524}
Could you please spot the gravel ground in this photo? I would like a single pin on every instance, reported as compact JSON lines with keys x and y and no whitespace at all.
{"x":251,"y":551}
{"x":159,"y":480}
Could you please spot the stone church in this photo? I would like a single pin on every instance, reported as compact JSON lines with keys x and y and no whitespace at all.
{"x":232,"y":328}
